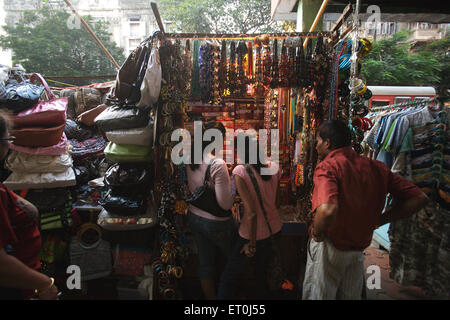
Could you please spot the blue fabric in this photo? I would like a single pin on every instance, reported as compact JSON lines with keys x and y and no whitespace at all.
{"x":211,"y":237}
{"x":237,"y":265}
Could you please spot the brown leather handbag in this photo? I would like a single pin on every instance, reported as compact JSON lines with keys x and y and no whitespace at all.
{"x":38,"y":136}
{"x":89,"y":116}
{"x":128,"y":73}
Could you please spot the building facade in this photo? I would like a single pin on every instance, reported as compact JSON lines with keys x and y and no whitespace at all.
{"x":130,"y":21}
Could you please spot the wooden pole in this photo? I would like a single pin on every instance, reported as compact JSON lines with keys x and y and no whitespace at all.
{"x":157,"y":16}
{"x":316,"y":20}
{"x":93,"y":34}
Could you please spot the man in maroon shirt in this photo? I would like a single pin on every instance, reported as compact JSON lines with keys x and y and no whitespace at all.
{"x":348,"y":198}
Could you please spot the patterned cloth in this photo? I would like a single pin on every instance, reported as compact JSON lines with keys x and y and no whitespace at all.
{"x":89,"y":147}
{"x":420,"y":245}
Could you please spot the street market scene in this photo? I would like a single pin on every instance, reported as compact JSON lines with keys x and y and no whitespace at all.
{"x":181,"y":150}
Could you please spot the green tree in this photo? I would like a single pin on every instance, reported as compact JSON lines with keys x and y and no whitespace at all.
{"x":439,"y":50}
{"x":42,"y":42}
{"x":390,"y":63}
{"x":219,"y":16}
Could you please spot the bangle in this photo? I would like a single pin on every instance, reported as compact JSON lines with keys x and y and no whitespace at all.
{"x":38,"y":292}
{"x":252,"y":247}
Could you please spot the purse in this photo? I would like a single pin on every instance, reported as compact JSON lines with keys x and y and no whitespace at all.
{"x":204,"y":197}
{"x":128,"y":73}
{"x":86,"y":99}
{"x":127,"y":153}
{"x":76,"y":131}
{"x":44,"y":114}
{"x":138,"y":136}
{"x":151,"y":85}
{"x":89,"y":116}
{"x":91,"y":253}
{"x":55,"y":150}
{"x":18,"y":96}
{"x":38,"y":136}
{"x":116,"y":118}
{"x":20,"y":180}
{"x":275,"y":272}
{"x":127,"y":178}
{"x":124,"y":205}
{"x":22,"y":162}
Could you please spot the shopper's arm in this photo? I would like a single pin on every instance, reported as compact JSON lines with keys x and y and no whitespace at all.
{"x":403,"y":209}
{"x":250,"y":214}
{"x":15,"y":274}
{"x":324,"y":218}
{"x":28,"y":207}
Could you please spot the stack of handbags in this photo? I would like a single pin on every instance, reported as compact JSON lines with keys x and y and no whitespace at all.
{"x":128,"y":188}
{"x":39,"y":157}
{"x":43,"y":124}
{"x":130,"y":131}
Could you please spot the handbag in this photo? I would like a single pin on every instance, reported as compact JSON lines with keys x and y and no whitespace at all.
{"x":38,"y":136}
{"x":18,"y":96}
{"x":128,"y":73}
{"x":135,"y":95}
{"x":275,"y":271}
{"x":130,"y":261}
{"x":151,"y":85}
{"x":76,"y":131}
{"x":124,"y":205}
{"x":22,"y":162}
{"x":89,"y":116}
{"x":127,"y":153}
{"x":86,"y":99}
{"x":204,"y":197}
{"x":91,"y":253}
{"x":127,"y":178}
{"x":116,"y":118}
{"x":138,"y":136}
{"x":20,"y":180}
{"x":58,"y":149}
{"x":43,"y":114}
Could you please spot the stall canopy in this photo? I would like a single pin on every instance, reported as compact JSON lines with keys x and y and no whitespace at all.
{"x":432,"y":11}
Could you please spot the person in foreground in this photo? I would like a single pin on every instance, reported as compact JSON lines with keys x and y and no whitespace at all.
{"x":348,"y":199}
{"x":257,"y":225}
{"x":20,"y":242}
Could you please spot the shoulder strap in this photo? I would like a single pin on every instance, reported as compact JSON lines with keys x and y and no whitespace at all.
{"x":208,"y":172}
{"x":258,"y":193}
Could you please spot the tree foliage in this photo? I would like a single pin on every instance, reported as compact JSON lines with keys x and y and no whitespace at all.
{"x":390,"y":63}
{"x":219,"y":16}
{"x":42,"y":42}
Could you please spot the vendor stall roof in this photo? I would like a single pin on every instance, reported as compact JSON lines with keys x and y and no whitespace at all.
{"x":432,"y":11}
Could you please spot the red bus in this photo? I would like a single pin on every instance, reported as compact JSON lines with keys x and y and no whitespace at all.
{"x":388,"y":95}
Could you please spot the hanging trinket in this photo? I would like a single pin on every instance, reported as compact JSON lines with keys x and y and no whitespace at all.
{"x":267,"y":61}
{"x":300,"y":65}
{"x":241,"y":79}
{"x":232,"y":76}
{"x":259,"y":87}
{"x":275,"y":71}
{"x":283,"y":79}
{"x":223,"y":70}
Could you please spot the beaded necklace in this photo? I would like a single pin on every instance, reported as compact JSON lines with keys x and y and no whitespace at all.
{"x":284,"y":67}
{"x":267,"y":63}
{"x":232,"y":77}
{"x":275,"y":72}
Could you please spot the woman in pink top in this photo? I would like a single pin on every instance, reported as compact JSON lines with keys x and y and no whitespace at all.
{"x":212,"y":235}
{"x":254,"y":236}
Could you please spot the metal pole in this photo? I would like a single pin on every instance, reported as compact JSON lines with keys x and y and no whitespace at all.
{"x":93,"y":34}
{"x":316,"y":20}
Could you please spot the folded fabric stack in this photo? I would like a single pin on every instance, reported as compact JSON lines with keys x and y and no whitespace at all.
{"x":39,"y":157}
